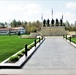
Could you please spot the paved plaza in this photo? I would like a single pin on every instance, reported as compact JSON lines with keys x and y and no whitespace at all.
{"x":55,"y":56}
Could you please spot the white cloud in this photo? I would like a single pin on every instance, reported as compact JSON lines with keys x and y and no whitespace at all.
{"x":32,"y":12}
{"x":14,"y":7}
{"x":32,"y":9}
{"x":19,"y":11}
{"x":71,"y":5}
{"x":46,"y":14}
{"x":70,"y":17}
{"x":58,"y":15}
{"x":66,"y":16}
{"x":70,"y":12}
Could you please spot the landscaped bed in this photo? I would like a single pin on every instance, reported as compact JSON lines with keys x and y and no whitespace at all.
{"x":22,"y":52}
{"x":73,"y":40}
{"x":19,"y":58}
{"x":9,"y":45}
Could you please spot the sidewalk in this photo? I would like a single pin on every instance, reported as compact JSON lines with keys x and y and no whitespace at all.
{"x":54,"y":53}
{"x":55,"y":56}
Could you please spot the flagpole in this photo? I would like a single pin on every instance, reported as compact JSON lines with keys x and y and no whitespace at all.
{"x":42,"y":19}
{"x":62,"y":18}
{"x":52,"y":13}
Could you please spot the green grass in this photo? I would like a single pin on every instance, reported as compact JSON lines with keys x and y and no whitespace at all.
{"x":74,"y":40}
{"x":9,"y":45}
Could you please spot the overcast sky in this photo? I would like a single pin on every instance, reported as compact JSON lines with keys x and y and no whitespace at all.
{"x":31,"y":10}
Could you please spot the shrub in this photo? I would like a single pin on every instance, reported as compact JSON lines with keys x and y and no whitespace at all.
{"x":23,"y":51}
{"x":20,"y":54}
{"x":41,"y":38}
{"x":37,"y":40}
{"x":13,"y":59}
{"x":30,"y":46}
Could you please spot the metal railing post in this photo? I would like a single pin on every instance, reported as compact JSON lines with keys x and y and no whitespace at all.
{"x":70,"y":38}
{"x":66,"y":36}
{"x":26,"y":50}
{"x":39,"y":39}
{"x":35,"y":42}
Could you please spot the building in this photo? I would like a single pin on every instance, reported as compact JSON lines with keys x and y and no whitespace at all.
{"x":13,"y":30}
{"x":4,"y":30}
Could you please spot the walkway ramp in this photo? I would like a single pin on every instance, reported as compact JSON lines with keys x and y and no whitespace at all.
{"x":54,"y":57}
{"x":54,"y":53}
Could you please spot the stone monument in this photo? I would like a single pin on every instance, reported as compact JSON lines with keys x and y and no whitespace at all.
{"x":61,"y":22}
{"x":52,"y":22}
{"x":48,"y":25}
{"x":44,"y":23}
{"x":55,"y":28}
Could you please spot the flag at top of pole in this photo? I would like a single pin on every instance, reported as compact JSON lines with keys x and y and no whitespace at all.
{"x":52,"y":13}
{"x":62,"y":16}
{"x":42,"y":17}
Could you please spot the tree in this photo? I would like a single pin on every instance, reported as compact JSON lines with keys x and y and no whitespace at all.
{"x":38,"y":25}
{"x":28,"y":28}
{"x":2,"y":25}
{"x":19,"y":23}
{"x":6,"y":23}
{"x":67,"y":24}
{"x":33,"y":29}
{"x":24,"y":24}
{"x":14,"y":23}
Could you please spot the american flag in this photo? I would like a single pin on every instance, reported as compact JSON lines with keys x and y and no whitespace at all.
{"x":52,"y":13}
{"x":42,"y":17}
{"x":62,"y":16}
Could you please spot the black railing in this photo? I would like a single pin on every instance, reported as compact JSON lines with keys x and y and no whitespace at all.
{"x":35,"y":42}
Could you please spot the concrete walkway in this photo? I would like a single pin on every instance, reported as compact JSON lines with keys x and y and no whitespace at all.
{"x":54,"y":57}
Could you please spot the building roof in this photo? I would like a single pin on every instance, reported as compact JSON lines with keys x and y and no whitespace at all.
{"x":4,"y":28}
{"x":13,"y":28}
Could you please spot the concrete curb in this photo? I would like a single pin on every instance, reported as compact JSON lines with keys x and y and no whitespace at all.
{"x":73,"y":44}
{"x":22,"y":60}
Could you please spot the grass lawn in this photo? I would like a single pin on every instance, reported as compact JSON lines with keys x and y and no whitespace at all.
{"x":74,"y":40}
{"x":9,"y":45}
